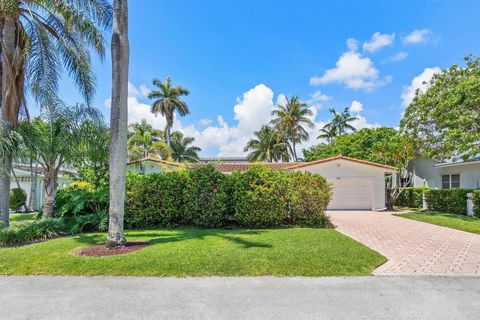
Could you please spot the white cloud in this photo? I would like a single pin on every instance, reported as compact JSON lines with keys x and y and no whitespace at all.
{"x":362,"y":122}
{"x":417,"y":36}
{"x":419,"y":82}
{"x":354,"y":71}
{"x":378,"y":41}
{"x":318,"y":96}
{"x":144,"y":90}
{"x":352,"y":44}
{"x":356,"y":106}
{"x":205,"y":122}
{"x":400,"y":56}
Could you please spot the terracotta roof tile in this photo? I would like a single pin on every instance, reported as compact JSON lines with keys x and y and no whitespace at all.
{"x":235,"y":166}
{"x":340,"y":157}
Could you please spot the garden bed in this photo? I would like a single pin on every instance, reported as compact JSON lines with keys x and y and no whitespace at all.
{"x":101,"y":250}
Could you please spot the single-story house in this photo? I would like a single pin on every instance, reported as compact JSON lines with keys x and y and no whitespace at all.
{"x":356,"y":184}
{"x":25,"y":180}
{"x":445,"y":175}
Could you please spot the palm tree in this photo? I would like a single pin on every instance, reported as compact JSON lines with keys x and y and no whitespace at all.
{"x":182,"y":151}
{"x":267,"y":145}
{"x":290,"y":119}
{"x":327,"y":133}
{"x":167,"y":101}
{"x":55,"y":137}
{"x":143,"y":144}
{"x":118,"y":125}
{"x":42,"y":39}
{"x":339,"y":124}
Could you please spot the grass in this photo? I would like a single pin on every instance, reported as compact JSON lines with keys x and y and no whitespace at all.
{"x":192,"y":252}
{"x":22,"y":217}
{"x":454,"y":221}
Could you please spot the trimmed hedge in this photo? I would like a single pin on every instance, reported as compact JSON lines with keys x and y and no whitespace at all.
{"x":411,"y":197}
{"x":18,"y":197}
{"x":447,"y":200}
{"x":203,"y":197}
{"x":476,"y":202}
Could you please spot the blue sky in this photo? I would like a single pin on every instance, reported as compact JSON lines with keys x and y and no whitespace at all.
{"x":239,"y":59}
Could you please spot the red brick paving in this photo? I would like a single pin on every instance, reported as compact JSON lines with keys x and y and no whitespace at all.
{"x":412,"y":247}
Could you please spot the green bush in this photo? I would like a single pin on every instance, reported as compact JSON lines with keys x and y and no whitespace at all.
{"x":411,"y":197}
{"x":205,"y":199}
{"x":447,"y":200}
{"x":80,"y":198}
{"x":202,"y":197}
{"x":476,"y":202}
{"x":155,"y":200}
{"x":31,"y":232}
{"x":18,"y":197}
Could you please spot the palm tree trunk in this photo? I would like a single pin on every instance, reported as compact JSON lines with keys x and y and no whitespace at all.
{"x":167,"y":135}
{"x":118,"y":124}
{"x":294,"y":148}
{"x":8,"y":36}
{"x":33,"y":186}
{"x":50,"y":190}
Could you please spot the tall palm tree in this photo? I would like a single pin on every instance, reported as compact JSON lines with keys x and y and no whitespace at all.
{"x":55,"y":137}
{"x":182,"y":151}
{"x":290,"y":119}
{"x":267,"y":145}
{"x":167,"y":101}
{"x":41,"y":39}
{"x":339,"y":124}
{"x":118,"y":124}
{"x":327,"y":133}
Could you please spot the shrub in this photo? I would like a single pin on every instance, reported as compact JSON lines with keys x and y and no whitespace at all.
{"x":260,"y":197}
{"x":476,"y":202}
{"x":205,"y":197}
{"x":155,"y":200}
{"x":411,"y":197}
{"x":447,"y":200}
{"x":27,"y":233}
{"x":80,"y":198}
{"x":18,"y":197}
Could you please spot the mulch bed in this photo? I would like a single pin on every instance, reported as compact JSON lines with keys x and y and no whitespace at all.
{"x":102,"y":251}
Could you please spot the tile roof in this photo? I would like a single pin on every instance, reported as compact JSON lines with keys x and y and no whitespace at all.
{"x":340,"y":157}
{"x":151,"y":159}
{"x":236,"y":166}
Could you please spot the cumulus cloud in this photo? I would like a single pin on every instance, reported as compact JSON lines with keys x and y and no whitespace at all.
{"x":356,"y":106}
{"x":205,"y":122}
{"x":417,"y":36}
{"x":352,"y":44}
{"x":378,"y":41}
{"x":418,"y":82}
{"x":354,"y":71}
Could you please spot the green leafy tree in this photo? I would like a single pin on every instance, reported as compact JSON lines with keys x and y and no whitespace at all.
{"x":167,"y":101}
{"x":182,"y":150}
{"x":55,"y":137}
{"x":339,"y":125}
{"x":144,"y":141}
{"x":268,"y":145}
{"x":444,"y":121}
{"x":290,"y":119}
{"x":40,"y":40}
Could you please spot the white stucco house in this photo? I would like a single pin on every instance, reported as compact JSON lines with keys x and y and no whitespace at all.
{"x":445,"y":175}
{"x":356,"y":184}
{"x":25,"y":180}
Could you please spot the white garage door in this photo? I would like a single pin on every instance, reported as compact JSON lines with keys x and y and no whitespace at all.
{"x":351,"y":193}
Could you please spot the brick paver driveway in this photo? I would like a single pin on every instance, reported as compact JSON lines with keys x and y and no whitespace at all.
{"x":412,"y":247}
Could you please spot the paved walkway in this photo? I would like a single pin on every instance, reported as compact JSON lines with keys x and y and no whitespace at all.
{"x":239,"y":298}
{"x":412,"y":247}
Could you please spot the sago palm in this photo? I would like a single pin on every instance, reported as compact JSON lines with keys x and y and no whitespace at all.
{"x":168,"y":101}
{"x":182,"y":150}
{"x":266,"y":146}
{"x":40,"y":40}
{"x":290,"y":119}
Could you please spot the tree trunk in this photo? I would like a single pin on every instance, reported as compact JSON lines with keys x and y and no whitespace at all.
{"x":294,"y":148}
{"x":8,"y":36}
{"x":118,"y":124}
{"x":50,"y":186}
{"x":33,"y":186}
{"x":167,"y":135}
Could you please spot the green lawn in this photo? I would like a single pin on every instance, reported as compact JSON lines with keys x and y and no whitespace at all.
{"x":22,"y":217}
{"x":454,"y":221}
{"x":192,"y":252}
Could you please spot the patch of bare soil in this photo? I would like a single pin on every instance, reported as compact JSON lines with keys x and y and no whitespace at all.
{"x":102,"y":251}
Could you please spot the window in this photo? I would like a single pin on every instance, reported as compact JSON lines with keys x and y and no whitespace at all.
{"x":451,"y":181}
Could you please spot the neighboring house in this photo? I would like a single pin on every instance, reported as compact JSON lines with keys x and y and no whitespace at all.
{"x":445,"y":175}
{"x":153,"y":165}
{"x":223,"y":159}
{"x":356,"y":184}
{"x":23,"y":174}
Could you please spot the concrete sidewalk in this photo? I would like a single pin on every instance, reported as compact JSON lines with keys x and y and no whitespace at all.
{"x":239,"y":298}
